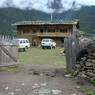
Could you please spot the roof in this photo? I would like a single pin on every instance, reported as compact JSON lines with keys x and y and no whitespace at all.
{"x":54,"y":22}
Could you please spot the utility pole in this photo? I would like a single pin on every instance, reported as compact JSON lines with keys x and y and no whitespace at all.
{"x":51,"y":16}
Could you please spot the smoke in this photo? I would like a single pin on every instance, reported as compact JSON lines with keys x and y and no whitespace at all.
{"x":48,"y":6}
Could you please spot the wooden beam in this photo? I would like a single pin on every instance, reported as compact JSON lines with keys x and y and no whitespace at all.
{"x":7,"y":53}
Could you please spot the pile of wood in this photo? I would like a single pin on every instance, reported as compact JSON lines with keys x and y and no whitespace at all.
{"x":85,"y":66}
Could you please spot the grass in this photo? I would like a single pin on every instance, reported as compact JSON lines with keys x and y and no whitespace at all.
{"x":8,"y":69}
{"x":40,"y":56}
{"x":69,"y":71}
{"x":88,"y":91}
{"x":93,"y":81}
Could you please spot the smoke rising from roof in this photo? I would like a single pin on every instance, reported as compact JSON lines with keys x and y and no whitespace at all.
{"x":47,"y":6}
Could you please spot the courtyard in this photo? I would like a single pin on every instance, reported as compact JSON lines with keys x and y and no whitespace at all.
{"x":40,"y":72}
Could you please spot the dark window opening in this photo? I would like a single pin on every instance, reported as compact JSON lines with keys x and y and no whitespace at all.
{"x":26,"y":31}
{"x":51,"y":30}
{"x":63,"y":30}
{"x":41,"y":30}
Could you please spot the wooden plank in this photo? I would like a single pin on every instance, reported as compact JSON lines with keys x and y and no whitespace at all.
{"x":47,"y":34}
{"x":8,"y":53}
{"x":72,"y":48}
{"x":30,"y":27}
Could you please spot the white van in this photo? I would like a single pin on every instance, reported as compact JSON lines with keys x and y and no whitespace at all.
{"x":23,"y":43}
{"x":48,"y":43}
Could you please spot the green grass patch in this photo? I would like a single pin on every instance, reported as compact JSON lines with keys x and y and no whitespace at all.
{"x":88,"y":91}
{"x":8,"y":69}
{"x":69,"y":71}
{"x":40,"y":56}
{"x":92,"y":81}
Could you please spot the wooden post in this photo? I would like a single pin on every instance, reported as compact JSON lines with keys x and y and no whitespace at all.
{"x":72,"y":48}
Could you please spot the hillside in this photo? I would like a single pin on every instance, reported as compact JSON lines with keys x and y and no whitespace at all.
{"x":9,"y":16}
{"x":87,"y":19}
{"x":86,"y":15}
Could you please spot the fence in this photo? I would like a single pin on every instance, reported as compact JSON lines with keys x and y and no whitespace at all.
{"x":8,"y":51}
{"x":73,"y":46}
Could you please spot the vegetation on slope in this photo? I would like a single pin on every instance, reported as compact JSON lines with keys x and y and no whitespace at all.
{"x":8,"y":16}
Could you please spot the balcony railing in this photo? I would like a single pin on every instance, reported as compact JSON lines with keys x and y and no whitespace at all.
{"x":52,"y":34}
{"x":49,"y":34}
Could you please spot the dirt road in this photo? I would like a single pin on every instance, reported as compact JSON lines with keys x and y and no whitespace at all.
{"x":24,"y":82}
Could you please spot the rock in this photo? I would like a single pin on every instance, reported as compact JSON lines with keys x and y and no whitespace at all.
{"x":42,"y":92}
{"x":86,"y":68}
{"x":22,"y":84}
{"x":11,"y":93}
{"x":82,"y":75}
{"x":47,"y":72}
{"x":89,"y":60}
{"x":78,"y":87}
{"x":78,"y":66}
{"x":90,"y":74}
{"x":43,"y":84}
{"x":36,"y":72}
{"x":17,"y":90}
{"x":74,"y":94}
{"x":56,"y":92}
{"x":41,"y":74}
{"x":35,"y":86}
{"x":93,"y":61}
{"x":68,"y":75}
{"x":50,"y":74}
{"x":88,"y":64}
{"x":91,"y":57}
{"x":6,"y":88}
{"x":84,"y":58}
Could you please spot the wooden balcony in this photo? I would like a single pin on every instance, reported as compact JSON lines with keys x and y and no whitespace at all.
{"x":52,"y":34}
{"x":47,"y":34}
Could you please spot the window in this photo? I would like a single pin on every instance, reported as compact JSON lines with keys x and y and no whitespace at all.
{"x":46,"y":40}
{"x":51,"y":40}
{"x":63,"y":30}
{"x":27,"y":41}
{"x":21,"y":42}
{"x":41,"y":30}
{"x":51,"y":30}
{"x":26,"y":31}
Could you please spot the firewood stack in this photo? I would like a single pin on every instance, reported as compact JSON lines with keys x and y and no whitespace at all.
{"x":85,"y":66}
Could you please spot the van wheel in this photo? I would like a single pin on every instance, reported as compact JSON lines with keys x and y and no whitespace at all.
{"x":50,"y":47}
{"x":43,"y":47}
{"x":54,"y":47}
{"x":25,"y":49}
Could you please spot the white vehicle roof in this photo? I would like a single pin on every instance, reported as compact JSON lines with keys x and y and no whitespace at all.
{"x":21,"y":39}
{"x":47,"y":39}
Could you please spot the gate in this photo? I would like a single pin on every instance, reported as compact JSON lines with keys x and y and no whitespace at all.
{"x":8,"y":51}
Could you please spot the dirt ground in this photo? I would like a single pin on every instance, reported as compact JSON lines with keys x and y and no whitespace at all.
{"x":40,"y":72}
{"x":25,"y":82}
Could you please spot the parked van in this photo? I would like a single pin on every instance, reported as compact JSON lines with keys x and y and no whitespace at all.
{"x":48,"y":43}
{"x":23,"y":43}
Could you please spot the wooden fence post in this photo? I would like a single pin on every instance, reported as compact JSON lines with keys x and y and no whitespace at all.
{"x":72,"y":48}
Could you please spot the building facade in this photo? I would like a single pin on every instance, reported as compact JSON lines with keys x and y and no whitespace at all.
{"x":35,"y":31}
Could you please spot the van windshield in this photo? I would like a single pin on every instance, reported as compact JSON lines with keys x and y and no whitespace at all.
{"x":45,"y":40}
{"x":27,"y":41}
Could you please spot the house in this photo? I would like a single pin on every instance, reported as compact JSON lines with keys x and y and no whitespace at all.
{"x":35,"y":31}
